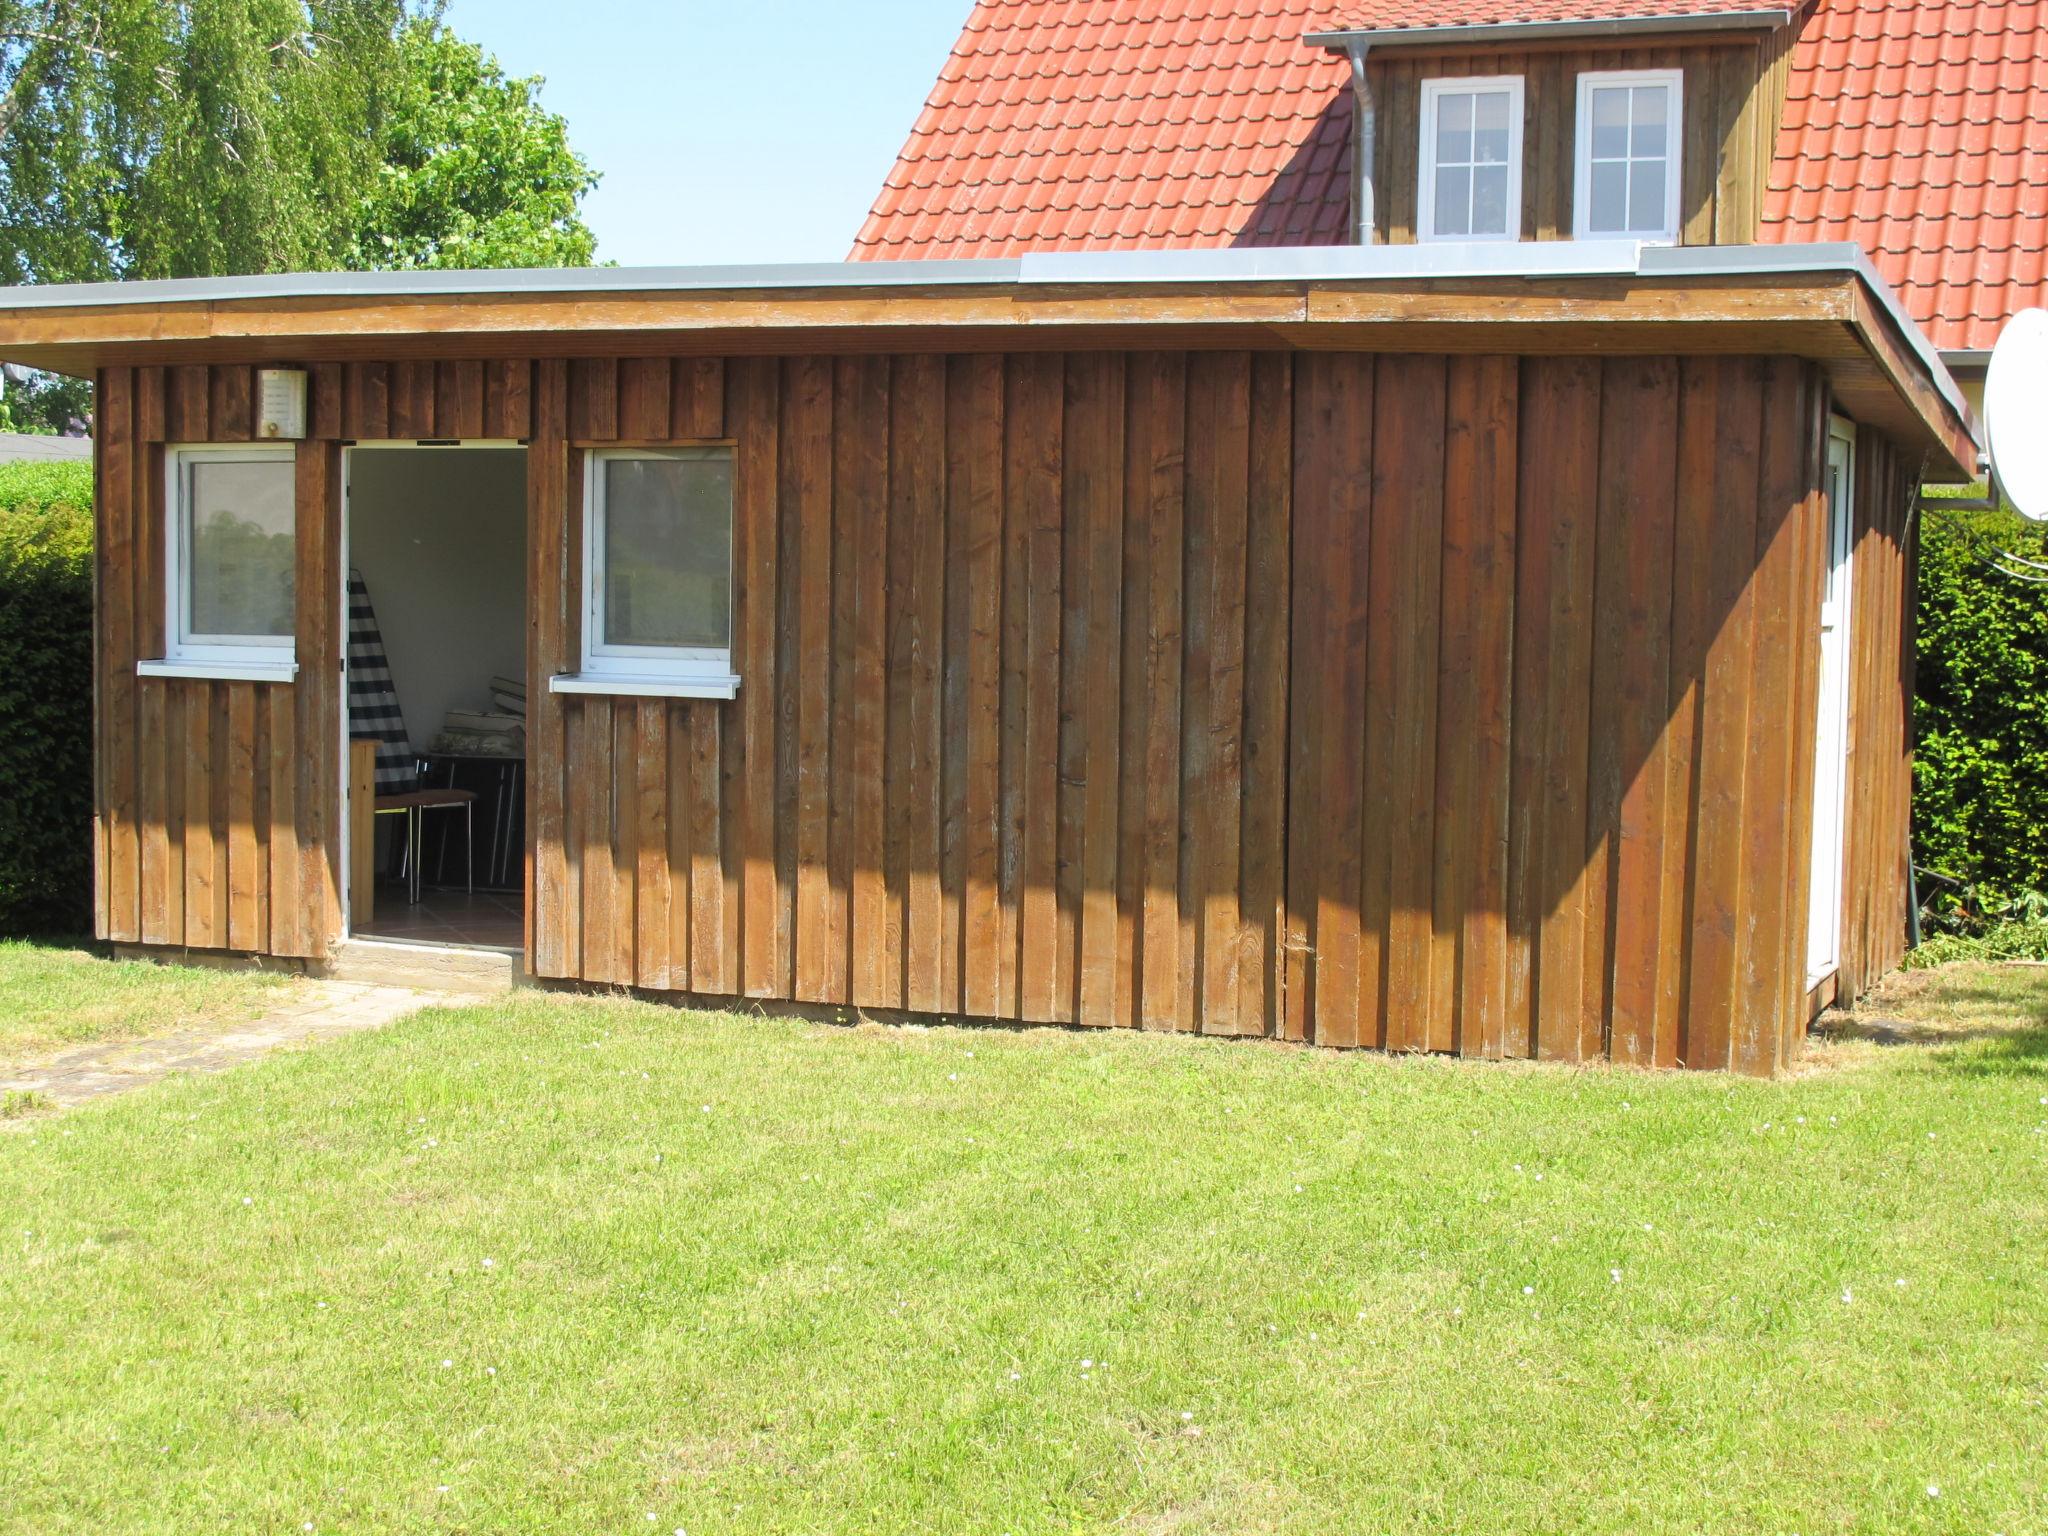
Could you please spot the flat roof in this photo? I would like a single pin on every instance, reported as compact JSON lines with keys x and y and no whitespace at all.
{"x":1823,"y":301}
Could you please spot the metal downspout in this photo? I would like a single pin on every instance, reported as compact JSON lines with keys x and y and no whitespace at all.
{"x":1361,"y":92}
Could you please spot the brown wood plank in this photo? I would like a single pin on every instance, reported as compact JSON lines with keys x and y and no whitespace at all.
{"x":594,"y":399}
{"x":153,"y":814}
{"x":1158,"y":466}
{"x":366,"y":401}
{"x":1476,"y":703}
{"x":751,"y":824}
{"x":151,"y":404}
{"x":412,"y":400}
{"x":461,"y":412}
{"x":203,"y":872}
{"x":1268,"y":594}
{"x":550,"y":639}
{"x":698,"y":398}
{"x":1401,"y":701}
{"x":713,"y":966}
{"x":245,"y":870}
{"x":317,"y":723}
{"x":120,"y":517}
{"x":1764,"y":944}
{"x":915,"y":593}
{"x":287,"y":899}
{"x":588,"y":774}
{"x":1632,"y":678}
{"x":229,"y":413}
{"x":643,"y":399}
{"x":324,"y":400}
{"x":806,"y":484}
{"x":1219,"y":494}
{"x":1556,"y":489}
{"x":654,"y":900}
{"x":1316,"y":522}
{"x":1033,"y":489}
{"x":189,"y":385}
{"x":861,"y":510}
{"x":624,"y":843}
{"x":975,"y":490}
{"x":508,"y":398}
{"x":1092,"y":490}
{"x":1722,"y":405}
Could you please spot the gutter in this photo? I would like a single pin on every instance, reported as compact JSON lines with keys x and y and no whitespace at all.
{"x":1766,"y":19}
{"x":1532,"y":260}
{"x":1362,"y":145}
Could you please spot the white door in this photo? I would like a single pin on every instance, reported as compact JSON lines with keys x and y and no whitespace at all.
{"x":1830,"y":763}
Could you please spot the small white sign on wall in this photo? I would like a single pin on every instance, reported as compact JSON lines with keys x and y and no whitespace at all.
{"x":281,"y":403}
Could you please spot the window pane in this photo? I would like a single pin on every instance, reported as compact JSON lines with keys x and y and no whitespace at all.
{"x":1453,"y":200}
{"x":1652,"y":111}
{"x":239,"y":539}
{"x":1454,"y":129}
{"x":668,"y":552}
{"x":1490,"y":200}
{"x":1490,"y":128}
{"x":1610,"y":122}
{"x":1646,"y":197}
{"x":1609,"y":213}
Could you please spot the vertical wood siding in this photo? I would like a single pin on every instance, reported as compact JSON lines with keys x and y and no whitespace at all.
{"x":1878,"y":805}
{"x":1454,"y":704}
{"x":1733,"y":90}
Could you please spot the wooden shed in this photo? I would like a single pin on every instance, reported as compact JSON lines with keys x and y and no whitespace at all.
{"x":1494,"y":650}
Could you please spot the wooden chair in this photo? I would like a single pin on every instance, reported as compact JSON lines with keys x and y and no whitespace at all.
{"x":414,"y":804}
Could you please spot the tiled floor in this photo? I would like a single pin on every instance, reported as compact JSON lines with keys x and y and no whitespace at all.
{"x":488,"y":920}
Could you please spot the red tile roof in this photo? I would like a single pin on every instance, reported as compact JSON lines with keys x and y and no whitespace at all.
{"x":1378,"y":15}
{"x":1916,"y":128}
{"x":1079,"y":124}
{"x":1920,"y":132}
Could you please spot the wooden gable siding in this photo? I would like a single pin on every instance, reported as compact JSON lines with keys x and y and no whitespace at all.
{"x":1449,"y":703}
{"x":1405,"y":701}
{"x":1876,"y":843}
{"x":1734,"y":94}
{"x":218,"y":802}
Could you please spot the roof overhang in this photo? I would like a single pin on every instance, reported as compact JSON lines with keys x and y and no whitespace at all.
{"x":1823,"y":302}
{"x":1582,"y":29}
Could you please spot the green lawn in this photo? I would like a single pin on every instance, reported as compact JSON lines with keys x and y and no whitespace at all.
{"x":583,"y":1265}
{"x":52,"y":997}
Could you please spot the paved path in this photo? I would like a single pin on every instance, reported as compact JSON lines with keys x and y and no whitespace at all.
{"x":318,"y":1010}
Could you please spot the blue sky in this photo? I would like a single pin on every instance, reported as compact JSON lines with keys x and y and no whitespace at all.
{"x":725,"y":131}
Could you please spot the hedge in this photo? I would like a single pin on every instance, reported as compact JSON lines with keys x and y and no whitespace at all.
{"x":45,"y":698}
{"x":1980,"y":768}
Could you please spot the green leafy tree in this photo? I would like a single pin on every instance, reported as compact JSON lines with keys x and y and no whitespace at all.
{"x":474,"y":171}
{"x":186,"y":138}
{"x":1980,"y":752}
{"x":180,"y":138}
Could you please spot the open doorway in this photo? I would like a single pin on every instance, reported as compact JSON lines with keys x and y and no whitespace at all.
{"x":436,"y":695}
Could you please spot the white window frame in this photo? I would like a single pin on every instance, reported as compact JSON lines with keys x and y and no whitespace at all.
{"x":1425,"y":193}
{"x":658,"y":671}
{"x":1672,"y":80}
{"x":249,"y":658}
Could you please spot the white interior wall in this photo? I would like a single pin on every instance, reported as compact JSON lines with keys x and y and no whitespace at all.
{"x":440,"y":537}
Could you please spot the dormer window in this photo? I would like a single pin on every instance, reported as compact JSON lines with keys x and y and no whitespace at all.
{"x":1471,"y":160}
{"x":1626,"y":185}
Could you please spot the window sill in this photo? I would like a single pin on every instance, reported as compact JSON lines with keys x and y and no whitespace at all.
{"x":642,"y":687}
{"x":221,"y":671}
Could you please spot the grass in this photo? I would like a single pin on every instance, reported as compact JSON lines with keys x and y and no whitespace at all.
{"x":53,"y":997}
{"x":562,"y":1264}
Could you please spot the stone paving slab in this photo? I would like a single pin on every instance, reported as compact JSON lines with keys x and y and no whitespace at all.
{"x":318,"y":1010}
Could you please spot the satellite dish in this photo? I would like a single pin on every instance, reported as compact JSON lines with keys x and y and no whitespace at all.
{"x":2016,"y":413}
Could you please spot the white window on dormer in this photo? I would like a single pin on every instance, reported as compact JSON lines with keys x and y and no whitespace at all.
{"x":1626,"y":186}
{"x":1471,"y":160}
